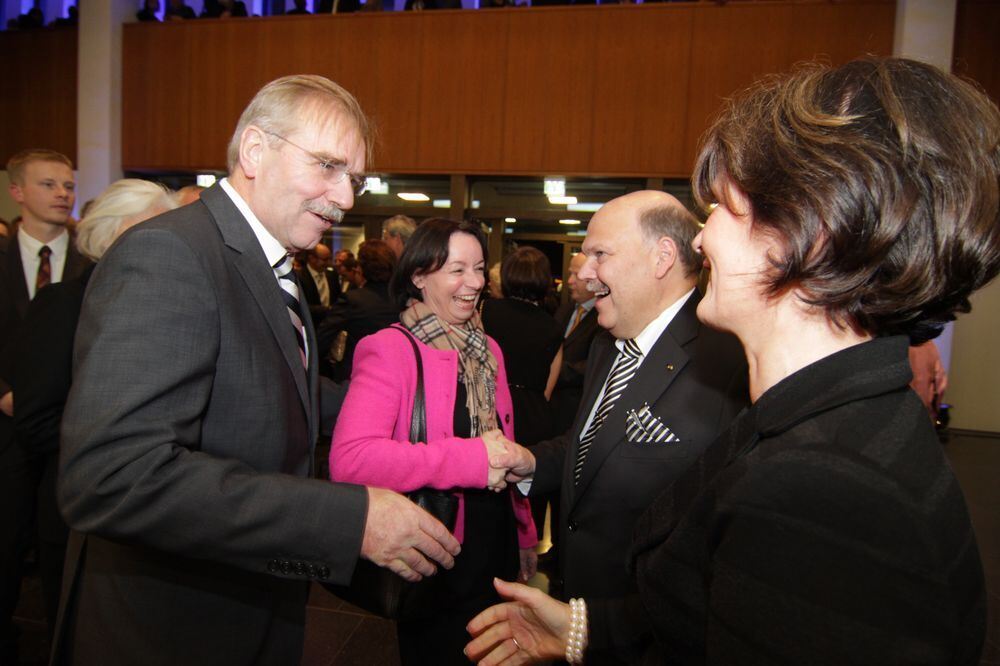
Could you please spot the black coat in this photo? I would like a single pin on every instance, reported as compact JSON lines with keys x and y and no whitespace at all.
{"x":694,"y":381}
{"x":576,"y":348}
{"x":824,"y":527}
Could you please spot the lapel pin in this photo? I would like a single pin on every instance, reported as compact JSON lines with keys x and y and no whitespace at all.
{"x":670,"y":367}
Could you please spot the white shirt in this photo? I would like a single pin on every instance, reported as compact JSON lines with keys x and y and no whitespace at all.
{"x":645,"y":340}
{"x":273,"y":250}
{"x":29,"y":247}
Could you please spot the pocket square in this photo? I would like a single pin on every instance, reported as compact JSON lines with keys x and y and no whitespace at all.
{"x":642,"y":427}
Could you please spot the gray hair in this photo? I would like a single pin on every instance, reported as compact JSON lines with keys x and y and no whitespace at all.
{"x":277,"y":108}
{"x":400,"y":226}
{"x":678,"y":224}
{"x":122,"y":200}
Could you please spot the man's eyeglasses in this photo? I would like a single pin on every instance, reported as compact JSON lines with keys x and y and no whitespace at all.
{"x":332,"y":171}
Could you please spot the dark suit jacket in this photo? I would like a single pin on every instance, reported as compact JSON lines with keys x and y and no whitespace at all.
{"x":576,"y":348}
{"x":14,"y":294}
{"x":42,"y":363}
{"x":187,"y":437}
{"x":360,"y":312}
{"x":694,"y":380}
{"x":310,"y":292}
{"x":824,"y":527}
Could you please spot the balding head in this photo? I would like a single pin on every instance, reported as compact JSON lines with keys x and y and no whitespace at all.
{"x":319,"y":257}
{"x":639,"y":259}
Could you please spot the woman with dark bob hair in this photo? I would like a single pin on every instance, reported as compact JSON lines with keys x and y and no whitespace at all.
{"x":531,"y":341}
{"x":857,"y":210}
{"x":468,"y":411}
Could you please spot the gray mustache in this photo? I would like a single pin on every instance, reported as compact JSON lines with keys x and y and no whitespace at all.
{"x":331,"y":212}
{"x":594,"y":286}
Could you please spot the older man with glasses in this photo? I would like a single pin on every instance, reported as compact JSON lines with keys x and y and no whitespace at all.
{"x":189,"y":430}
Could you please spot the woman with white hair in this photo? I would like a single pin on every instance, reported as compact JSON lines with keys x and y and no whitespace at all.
{"x":42,"y":362}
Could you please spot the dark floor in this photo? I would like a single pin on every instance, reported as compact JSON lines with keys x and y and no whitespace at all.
{"x":339,"y":634}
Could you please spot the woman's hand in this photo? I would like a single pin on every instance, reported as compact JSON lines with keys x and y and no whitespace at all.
{"x":529,"y":564}
{"x":494,"y":442}
{"x":529,"y":628}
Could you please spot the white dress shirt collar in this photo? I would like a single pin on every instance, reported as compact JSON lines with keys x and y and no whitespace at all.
{"x":654,"y":329}
{"x":273,"y":250}
{"x":29,"y":247}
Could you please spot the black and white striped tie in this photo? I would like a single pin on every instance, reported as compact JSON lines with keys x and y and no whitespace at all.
{"x":290,"y":294}
{"x":619,"y":377}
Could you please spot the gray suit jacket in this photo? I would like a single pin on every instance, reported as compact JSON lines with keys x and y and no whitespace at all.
{"x":187,"y":442}
{"x":694,"y":381}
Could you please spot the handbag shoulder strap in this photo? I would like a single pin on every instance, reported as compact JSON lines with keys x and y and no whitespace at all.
{"x":418,"y":420}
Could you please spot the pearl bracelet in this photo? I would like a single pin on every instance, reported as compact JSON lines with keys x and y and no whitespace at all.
{"x":576,"y":642}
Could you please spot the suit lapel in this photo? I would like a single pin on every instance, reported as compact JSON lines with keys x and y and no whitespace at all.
{"x":586,"y":325}
{"x":664,"y":363}
{"x":249,"y":260}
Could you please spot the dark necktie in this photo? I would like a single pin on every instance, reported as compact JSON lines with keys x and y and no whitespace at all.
{"x":619,"y":377}
{"x":290,"y":294}
{"x":44,"y":276}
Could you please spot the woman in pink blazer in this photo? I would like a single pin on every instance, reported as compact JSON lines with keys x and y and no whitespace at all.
{"x":439,"y":279}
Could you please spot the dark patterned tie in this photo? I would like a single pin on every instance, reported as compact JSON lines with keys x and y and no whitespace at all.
{"x":44,"y":276}
{"x":290,"y":294}
{"x":619,"y":377}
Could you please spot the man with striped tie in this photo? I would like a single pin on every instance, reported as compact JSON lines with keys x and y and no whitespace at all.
{"x":189,"y":431}
{"x":658,"y":388}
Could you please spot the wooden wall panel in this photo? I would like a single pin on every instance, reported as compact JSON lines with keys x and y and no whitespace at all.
{"x":735,"y":45}
{"x":605,"y":90}
{"x":38,"y":92}
{"x":550,"y":90}
{"x":641,"y":90}
{"x":977,"y":44}
{"x":156,"y":124}
{"x":461,"y":113}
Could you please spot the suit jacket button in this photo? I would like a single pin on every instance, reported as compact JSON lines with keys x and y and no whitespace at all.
{"x":572,"y":526}
{"x":300,"y":569}
{"x":311,"y":570}
{"x":324,"y":573}
{"x":272,"y":565}
{"x":286,"y":567}
{"x":506,"y":418}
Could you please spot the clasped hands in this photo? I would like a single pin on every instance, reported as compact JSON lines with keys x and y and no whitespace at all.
{"x":509,"y":462}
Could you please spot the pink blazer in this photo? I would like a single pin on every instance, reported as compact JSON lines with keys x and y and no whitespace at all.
{"x":371,"y":439}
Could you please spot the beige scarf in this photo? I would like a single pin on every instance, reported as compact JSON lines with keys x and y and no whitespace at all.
{"x":477,"y":367}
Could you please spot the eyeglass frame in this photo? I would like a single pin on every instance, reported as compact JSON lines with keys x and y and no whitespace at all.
{"x":359,"y":182}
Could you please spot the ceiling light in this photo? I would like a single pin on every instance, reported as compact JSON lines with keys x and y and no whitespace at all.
{"x":510,"y":220}
{"x":442,"y":203}
{"x":375,"y":185}
{"x":555,"y":187}
{"x":413,"y":196}
{"x":205,"y":179}
{"x":560,"y":200}
{"x":475,"y":203}
{"x":569,"y":221}
{"x":584,"y":207}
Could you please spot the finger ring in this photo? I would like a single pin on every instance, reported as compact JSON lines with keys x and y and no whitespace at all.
{"x":516,"y":644}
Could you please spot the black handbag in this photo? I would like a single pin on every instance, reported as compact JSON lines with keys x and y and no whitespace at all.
{"x":378,"y":590}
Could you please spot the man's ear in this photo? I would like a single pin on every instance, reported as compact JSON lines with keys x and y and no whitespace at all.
{"x":252,"y":144}
{"x":666,"y":256}
{"x":16,"y":193}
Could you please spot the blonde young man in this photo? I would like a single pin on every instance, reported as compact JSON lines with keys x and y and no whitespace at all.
{"x":40,"y":253}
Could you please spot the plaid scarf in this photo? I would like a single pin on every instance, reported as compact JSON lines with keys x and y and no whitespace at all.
{"x":477,"y":367}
